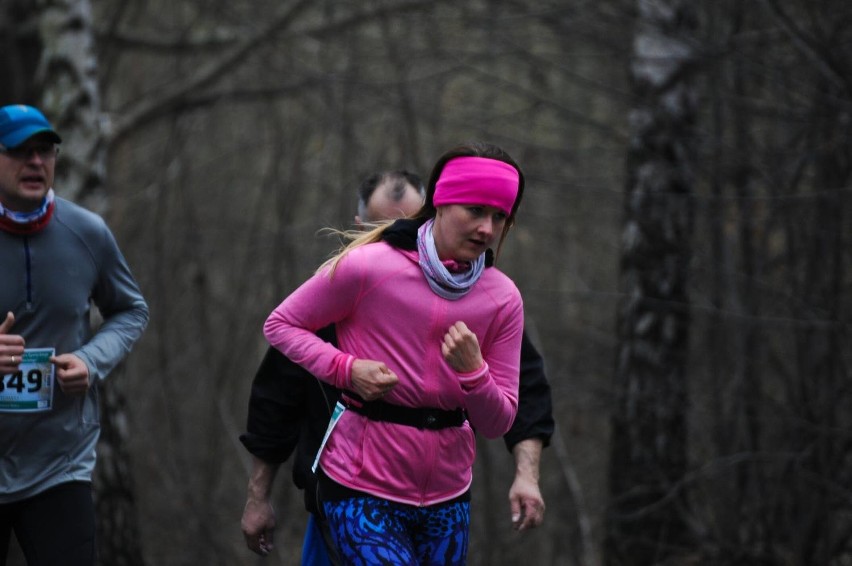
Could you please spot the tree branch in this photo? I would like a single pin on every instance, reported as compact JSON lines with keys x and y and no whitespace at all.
{"x":171,"y":96}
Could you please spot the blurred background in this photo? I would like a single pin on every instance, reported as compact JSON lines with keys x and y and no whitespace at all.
{"x":683,"y":248}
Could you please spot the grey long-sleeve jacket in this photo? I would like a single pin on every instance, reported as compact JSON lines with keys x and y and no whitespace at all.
{"x":47,"y":280}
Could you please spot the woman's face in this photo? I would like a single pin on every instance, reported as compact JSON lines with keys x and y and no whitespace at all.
{"x":464,"y":231}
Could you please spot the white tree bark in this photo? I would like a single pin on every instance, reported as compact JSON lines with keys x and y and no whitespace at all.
{"x":648,"y":459}
{"x":67,"y":73}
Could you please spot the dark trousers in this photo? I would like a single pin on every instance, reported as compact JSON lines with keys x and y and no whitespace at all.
{"x":54,"y":528}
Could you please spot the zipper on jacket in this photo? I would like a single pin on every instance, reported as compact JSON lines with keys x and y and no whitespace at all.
{"x":430,"y":457}
{"x":28,"y":260}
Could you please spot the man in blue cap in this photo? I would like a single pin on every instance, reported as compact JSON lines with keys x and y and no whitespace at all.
{"x":57,"y":259}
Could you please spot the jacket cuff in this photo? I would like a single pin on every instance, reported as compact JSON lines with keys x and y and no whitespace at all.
{"x":472,"y":379}
{"x":343,"y":377}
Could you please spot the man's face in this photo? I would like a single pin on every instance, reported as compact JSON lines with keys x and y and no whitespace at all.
{"x":26,"y":173}
{"x":382,"y":205}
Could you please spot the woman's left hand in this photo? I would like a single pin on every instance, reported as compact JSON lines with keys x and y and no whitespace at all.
{"x":461,"y":349}
{"x":372,"y":379}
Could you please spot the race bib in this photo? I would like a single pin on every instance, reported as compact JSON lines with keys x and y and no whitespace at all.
{"x":30,"y":389}
{"x":339,"y":408}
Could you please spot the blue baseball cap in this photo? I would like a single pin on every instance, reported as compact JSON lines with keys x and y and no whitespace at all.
{"x":18,"y":123}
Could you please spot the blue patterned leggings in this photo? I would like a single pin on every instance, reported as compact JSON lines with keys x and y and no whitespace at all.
{"x":371,"y":531}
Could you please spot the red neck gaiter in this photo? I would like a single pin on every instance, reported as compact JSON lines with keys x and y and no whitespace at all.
{"x":30,"y":227}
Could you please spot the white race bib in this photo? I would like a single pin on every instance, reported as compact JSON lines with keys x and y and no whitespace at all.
{"x":30,"y":389}
{"x":339,"y":408}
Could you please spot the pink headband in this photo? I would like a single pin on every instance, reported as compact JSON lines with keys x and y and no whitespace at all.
{"x":477,"y":180}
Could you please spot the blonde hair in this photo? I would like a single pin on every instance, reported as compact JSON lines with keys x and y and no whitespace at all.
{"x":353,"y":239}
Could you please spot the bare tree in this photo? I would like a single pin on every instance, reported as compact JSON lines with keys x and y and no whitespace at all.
{"x":648,"y":452}
{"x":781,"y":404}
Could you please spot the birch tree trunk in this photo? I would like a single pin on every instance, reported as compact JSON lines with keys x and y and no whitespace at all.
{"x":63,"y":82}
{"x":645,"y":524}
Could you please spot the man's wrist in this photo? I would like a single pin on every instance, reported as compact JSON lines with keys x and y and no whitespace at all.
{"x":261,"y":479}
{"x":527,"y":454}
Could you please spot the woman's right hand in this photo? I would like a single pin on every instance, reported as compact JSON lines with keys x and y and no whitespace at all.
{"x":372,"y":379}
{"x":461,"y":349}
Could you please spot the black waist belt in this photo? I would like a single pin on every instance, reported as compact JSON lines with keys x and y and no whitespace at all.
{"x":419,"y":417}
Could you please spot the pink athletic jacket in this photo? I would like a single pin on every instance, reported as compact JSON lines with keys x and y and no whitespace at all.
{"x":384,"y":310}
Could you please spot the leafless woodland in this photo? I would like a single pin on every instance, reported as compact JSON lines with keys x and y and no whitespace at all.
{"x":683,"y":248}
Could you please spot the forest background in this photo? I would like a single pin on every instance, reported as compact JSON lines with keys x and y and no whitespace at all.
{"x":683,"y":248}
